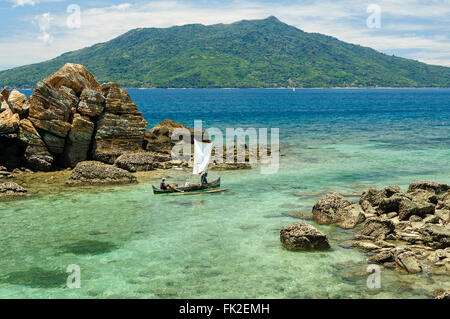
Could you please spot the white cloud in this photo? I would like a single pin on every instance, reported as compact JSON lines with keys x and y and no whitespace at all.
{"x":414,"y":24}
{"x":122,"y":6}
{"x":22,"y":3}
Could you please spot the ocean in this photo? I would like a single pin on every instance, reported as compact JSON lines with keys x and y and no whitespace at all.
{"x":130,"y":243}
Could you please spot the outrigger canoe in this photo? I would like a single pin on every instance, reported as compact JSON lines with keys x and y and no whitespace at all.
{"x":191,"y":188}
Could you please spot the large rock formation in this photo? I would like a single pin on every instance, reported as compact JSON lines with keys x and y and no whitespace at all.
{"x":96,"y":173}
{"x":69,"y":118}
{"x":303,"y":236}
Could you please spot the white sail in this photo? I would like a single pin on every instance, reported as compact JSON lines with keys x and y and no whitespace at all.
{"x":202,"y":156}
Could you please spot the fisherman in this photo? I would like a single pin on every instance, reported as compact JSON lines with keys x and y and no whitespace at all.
{"x":163,"y":184}
{"x":203,"y":178}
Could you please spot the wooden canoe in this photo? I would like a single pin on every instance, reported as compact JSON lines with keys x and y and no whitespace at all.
{"x":191,"y":188}
{"x":201,"y":192}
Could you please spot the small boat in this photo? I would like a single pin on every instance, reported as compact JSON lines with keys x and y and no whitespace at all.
{"x":191,"y":188}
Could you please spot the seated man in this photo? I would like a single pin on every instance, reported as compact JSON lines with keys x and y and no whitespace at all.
{"x":163,"y":184}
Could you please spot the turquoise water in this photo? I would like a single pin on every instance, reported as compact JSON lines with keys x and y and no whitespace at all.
{"x":132,"y":244}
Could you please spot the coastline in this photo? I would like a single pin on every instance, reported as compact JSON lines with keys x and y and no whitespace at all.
{"x":278,"y":88}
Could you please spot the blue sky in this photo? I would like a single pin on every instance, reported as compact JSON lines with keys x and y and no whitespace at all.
{"x":37,"y":30}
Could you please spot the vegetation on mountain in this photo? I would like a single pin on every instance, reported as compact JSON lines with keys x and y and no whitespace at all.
{"x":257,"y":53}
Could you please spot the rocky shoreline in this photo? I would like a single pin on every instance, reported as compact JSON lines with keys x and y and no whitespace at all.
{"x":406,"y":231}
{"x":70,"y":120}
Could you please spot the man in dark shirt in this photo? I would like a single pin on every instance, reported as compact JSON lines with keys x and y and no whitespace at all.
{"x":163,"y":184}
{"x":203,"y":178}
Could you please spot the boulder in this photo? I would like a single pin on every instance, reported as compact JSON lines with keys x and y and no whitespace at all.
{"x":19,"y":103}
{"x":50,"y":109}
{"x":159,"y":138}
{"x":335,"y":209}
{"x":366,"y":245}
{"x":435,"y":236}
{"x":78,"y":141}
{"x":74,"y":76}
{"x":303,"y":236}
{"x":406,"y":262}
{"x":12,"y":190}
{"x":407,"y":208}
{"x":36,"y":154}
{"x":96,"y":173}
{"x":9,"y":122}
{"x":428,"y":186}
{"x":378,"y":228}
{"x":382,"y":201}
{"x":136,"y":162}
{"x":382,"y":257}
{"x":117,"y":134}
{"x":92,"y":103}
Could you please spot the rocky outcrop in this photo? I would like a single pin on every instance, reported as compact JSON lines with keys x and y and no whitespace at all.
{"x":136,"y":162}
{"x":68,"y":119}
{"x":11,"y":191}
{"x":96,"y":173}
{"x":303,"y":236}
{"x":335,"y":209}
{"x":159,"y":138}
{"x":407,"y":229}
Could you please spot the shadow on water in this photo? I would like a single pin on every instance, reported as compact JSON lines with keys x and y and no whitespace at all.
{"x":88,"y":247}
{"x":36,"y":278}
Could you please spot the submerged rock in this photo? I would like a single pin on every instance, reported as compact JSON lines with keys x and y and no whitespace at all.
{"x":303,"y":236}
{"x":12,"y":190}
{"x":96,"y":173}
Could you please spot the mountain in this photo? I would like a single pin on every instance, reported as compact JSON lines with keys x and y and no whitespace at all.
{"x":257,"y":53}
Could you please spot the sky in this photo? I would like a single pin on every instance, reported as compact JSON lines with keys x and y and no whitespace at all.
{"x":39,"y":30}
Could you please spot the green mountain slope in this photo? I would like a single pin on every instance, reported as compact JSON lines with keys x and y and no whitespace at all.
{"x":258,"y":53}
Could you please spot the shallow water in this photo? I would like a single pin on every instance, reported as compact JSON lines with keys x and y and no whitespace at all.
{"x":132,"y":244}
